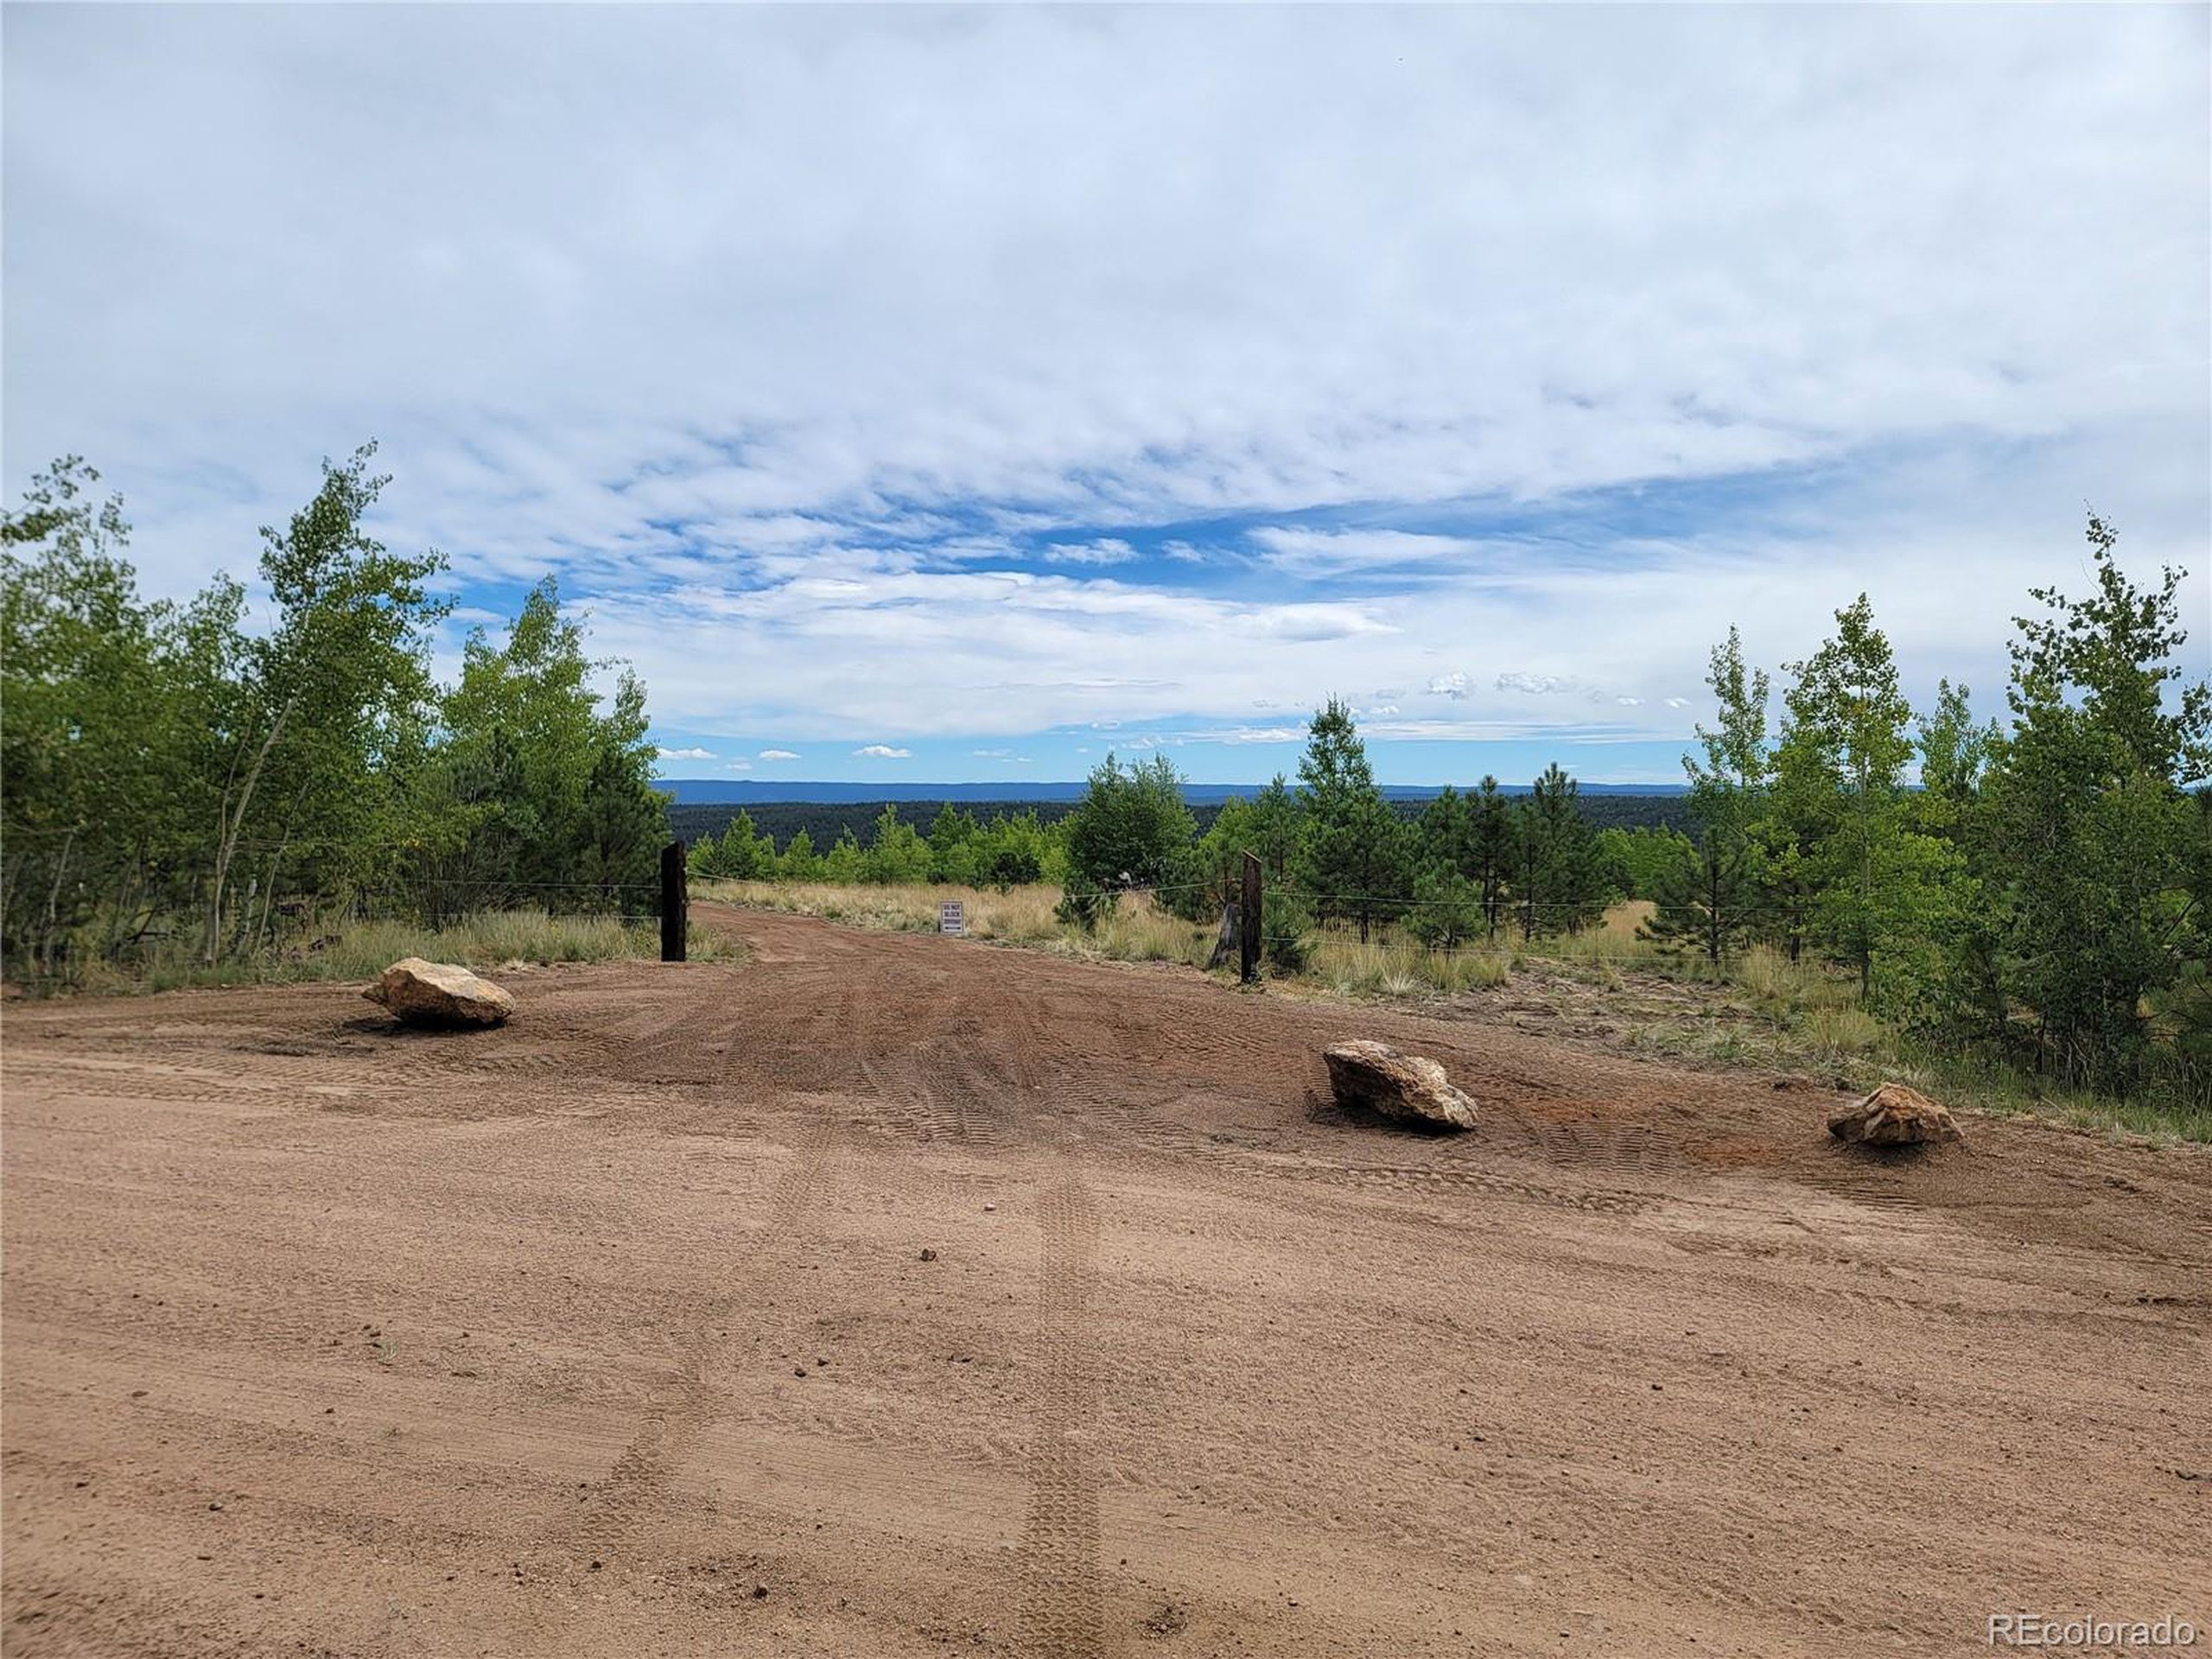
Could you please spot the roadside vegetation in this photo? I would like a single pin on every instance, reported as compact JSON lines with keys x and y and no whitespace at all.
{"x":483,"y":939}
{"x":2021,"y":910}
{"x":215,"y":786}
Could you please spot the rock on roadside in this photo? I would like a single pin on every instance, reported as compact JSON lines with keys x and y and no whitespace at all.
{"x":1408,"y":1087}
{"x":1893,"y":1116}
{"x":422,"y":993}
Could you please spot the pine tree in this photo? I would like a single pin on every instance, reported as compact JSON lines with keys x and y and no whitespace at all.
{"x":1447,"y":908}
{"x":1840,"y":780}
{"x":1491,"y":851}
{"x":1275,"y":827}
{"x":1712,"y":894}
{"x":1445,"y":833}
{"x":2088,"y":833}
{"x":1557,"y":886}
{"x":1352,"y":859}
{"x":625,"y":826}
{"x":1703,"y":897}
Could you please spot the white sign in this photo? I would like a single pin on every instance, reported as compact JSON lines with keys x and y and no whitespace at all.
{"x":952,"y":918}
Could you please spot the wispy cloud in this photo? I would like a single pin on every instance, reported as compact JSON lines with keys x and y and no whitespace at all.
{"x":1343,"y":552}
{"x":685,"y":754}
{"x":883,"y":751}
{"x":777,"y":754}
{"x":1108,"y":551}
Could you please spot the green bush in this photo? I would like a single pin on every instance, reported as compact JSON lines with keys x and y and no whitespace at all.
{"x":1286,"y":931}
{"x":1082,"y":907}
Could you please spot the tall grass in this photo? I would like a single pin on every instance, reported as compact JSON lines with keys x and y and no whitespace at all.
{"x":1018,"y":916}
{"x":364,"y":949}
{"x":1135,"y":929}
{"x":1392,"y":966}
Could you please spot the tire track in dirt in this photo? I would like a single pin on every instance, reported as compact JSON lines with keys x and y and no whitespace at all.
{"x":1066,"y":1611}
{"x":643,"y":1477}
{"x":1397,"y":1178}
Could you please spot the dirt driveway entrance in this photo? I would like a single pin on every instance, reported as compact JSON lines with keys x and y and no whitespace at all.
{"x":611,"y":1332}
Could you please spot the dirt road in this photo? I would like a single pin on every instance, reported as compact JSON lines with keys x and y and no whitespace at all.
{"x":610,"y":1332}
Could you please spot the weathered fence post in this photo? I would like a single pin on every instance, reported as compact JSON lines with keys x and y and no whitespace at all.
{"x":1248,"y":924}
{"x":675,"y":902}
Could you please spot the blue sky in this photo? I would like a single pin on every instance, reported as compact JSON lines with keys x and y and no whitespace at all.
{"x":928,"y":394}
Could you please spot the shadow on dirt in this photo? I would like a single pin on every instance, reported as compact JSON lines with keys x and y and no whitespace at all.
{"x":1322,"y":1108}
{"x":387,"y":1025}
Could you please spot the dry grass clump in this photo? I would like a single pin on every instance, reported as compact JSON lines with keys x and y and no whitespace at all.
{"x":1843,"y":1031}
{"x":364,"y":949}
{"x":1018,"y":916}
{"x":1397,"y":966}
{"x":1137,"y":930}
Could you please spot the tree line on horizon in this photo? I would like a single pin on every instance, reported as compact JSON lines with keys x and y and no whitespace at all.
{"x":826,"y":821}
{"x":194,"y":778}
{"x":197,"y":780}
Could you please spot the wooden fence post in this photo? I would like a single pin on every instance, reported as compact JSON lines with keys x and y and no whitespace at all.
{"x":1248,"y":924}
{"x":675,"y":902}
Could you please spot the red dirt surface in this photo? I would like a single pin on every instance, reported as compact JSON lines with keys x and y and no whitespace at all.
{"x":609,"y":1333}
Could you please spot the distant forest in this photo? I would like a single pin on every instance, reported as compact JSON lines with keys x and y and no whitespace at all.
{"x":825,"y":822}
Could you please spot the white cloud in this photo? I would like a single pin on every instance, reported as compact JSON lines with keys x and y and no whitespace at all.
{"x":1452,"y":685}
{"x":684,"y":754}
{"x":777,"y":754}
{"x":1538,"y":685}
{"x":1258,"y":734}
{"x":883,"y":751}
{"x":1108,"y":551}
